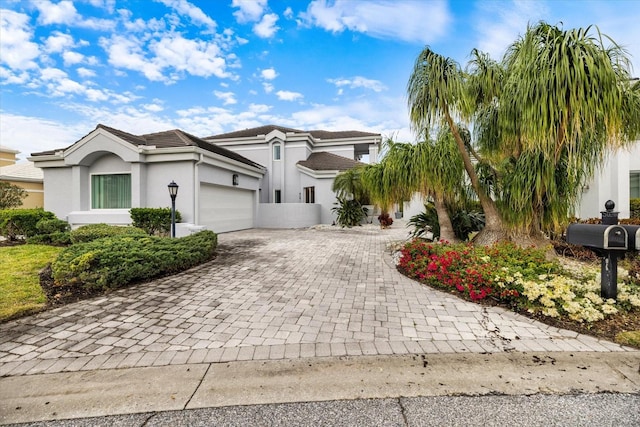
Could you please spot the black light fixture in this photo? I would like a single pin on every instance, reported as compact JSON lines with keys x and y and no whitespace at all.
{"x":173,"y":192}
{"x":235,"y":179}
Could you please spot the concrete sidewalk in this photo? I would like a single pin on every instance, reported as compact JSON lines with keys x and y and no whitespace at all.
{"x":278,"y":298}
{"x":185,"y":387}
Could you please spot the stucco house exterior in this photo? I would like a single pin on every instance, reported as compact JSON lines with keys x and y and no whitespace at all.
{"x":618,"y":180}
{"x":107,"y":172}
{"x":269,"y":176}
{"x":24,"y":175}
{"x":300,"y":168}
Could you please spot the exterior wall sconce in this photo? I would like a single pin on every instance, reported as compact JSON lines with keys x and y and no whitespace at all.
{"x":235,"y":179}
{"x":173,"y":192}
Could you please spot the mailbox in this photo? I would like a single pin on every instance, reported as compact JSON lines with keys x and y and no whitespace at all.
{"x":601,"y":236}
{"x":633,"y":237}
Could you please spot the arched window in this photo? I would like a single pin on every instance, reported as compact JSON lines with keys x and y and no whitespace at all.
{"x":276,"y":151}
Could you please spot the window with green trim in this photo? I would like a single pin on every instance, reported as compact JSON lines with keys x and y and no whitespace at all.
{"x":111,"y":191}
{"x":634,"y":185}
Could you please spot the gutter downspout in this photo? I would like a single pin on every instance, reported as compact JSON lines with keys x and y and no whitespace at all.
{"x":196,"y":190}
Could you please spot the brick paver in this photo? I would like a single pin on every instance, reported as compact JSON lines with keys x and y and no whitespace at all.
{"x":274,"y":294}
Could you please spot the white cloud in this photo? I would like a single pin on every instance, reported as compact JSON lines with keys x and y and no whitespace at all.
{"x":173,"y":54}
{"x":71,"y":58}
{"x":128,"y":53}
{"x":65,"y":12}
{"x":288,"y":13}
{"x":18,"y":51}
{"x":108,"y":5}
{"x":156,"y":107}
{"x":268,"y":87}
{"x":248,"y":10}
{"x":25,"y":133}
{"x":58,"y":42}
{"x":259,"y":108}
{"x":228,"y":98}
{"x":285,"y":95}
{"x":10,"y":77}
{"x":267,"y":26}
{"x":56,"y":13}
{"x":499,"y":24}
{"x":85,"y":72}
{"x":195,"y":13}
{"x":411,"y":21}
{"x":269,"y":73}
{"x":359,"y":81}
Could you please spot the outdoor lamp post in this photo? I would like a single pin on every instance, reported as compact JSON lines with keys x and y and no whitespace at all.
{"x":173,"y":192}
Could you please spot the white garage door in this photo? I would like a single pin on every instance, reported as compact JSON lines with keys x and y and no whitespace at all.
{"x":226,"y":208}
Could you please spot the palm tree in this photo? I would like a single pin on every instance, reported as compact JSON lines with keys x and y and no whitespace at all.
{"x":348,"y":185}
{"x":565,"y":100}
{"x":543,"y":119}
{"x":436,"y":93}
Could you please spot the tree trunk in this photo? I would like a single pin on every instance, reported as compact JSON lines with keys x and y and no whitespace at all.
{"x":444,"y":220}
{"x":494,"y":229}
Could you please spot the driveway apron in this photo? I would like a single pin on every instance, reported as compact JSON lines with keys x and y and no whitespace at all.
{"x":274,"y":294}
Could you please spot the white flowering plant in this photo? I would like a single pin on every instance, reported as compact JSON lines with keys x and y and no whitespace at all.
{"x":519,"y":277}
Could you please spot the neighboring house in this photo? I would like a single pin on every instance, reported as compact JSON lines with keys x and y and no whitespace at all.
{"x":617,"y":180}
{"x":24,"y":175}
{"x":107,"y":172}
{"x":301,"y":166}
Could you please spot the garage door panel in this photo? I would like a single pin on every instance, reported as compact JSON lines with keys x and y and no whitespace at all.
{"x":225,"y":209}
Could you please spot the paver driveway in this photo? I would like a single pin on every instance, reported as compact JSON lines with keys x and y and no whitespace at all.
{"x":273,"y":294}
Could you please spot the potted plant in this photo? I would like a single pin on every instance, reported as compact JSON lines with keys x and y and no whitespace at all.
{"x":385,"y":220}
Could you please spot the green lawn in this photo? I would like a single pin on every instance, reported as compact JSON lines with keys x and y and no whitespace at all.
{"x":20,"y":290}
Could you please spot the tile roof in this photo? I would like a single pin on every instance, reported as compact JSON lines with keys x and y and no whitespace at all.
{"x":21,"y":171}
{"x":168,"y":139}
{"x":318,"y":134}
{"x":324,"y":161}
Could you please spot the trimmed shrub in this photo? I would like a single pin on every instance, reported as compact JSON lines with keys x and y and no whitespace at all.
{"x":114,"y":262}
{"x":49,"y":226}
{"x":88,"y":233}
{"x":155,"y":221}
{"x":21,"y":222}
{"x":635,"y":208}
{"x":59,"y":238}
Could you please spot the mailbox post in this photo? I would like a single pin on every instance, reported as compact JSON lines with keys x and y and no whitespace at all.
{"x":609,"y":241}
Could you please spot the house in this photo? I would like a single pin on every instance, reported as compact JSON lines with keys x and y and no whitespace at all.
{"x":108,"y":171}
{"x":24,"y":175}
{"x":262,"y":177}
{"x":300,"y":167}
{"x":618,"y":180}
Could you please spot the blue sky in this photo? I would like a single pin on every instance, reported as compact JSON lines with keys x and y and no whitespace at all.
{"x":209,"y":67}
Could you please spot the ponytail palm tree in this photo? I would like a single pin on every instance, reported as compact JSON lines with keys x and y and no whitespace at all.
{"x":566,"y":100}
{"x":543,"y":118}
{"x":436,"y":95}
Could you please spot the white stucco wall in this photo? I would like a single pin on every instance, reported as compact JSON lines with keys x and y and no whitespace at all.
{"x":57,"y":197}
{"x":288,"y":215}
{"x":611,"y":182}
{"x":413,"y":207}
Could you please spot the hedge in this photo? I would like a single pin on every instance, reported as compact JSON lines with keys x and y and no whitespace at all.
{"x":88,"y":233}
{"x":21,"y":222}
{"x":114,"y":262}
{"x":155,"y":221}
{"x":635,"y":208}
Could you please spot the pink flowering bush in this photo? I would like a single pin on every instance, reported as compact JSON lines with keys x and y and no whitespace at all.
{"x":519,"y":277}
{"x":478,"y":272}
